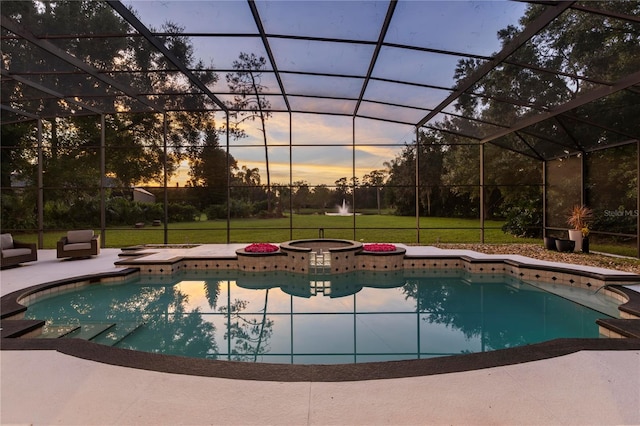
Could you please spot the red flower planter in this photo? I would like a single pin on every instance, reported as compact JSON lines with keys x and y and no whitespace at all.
{"x":379,"y":247}
{"x":261,"y":248}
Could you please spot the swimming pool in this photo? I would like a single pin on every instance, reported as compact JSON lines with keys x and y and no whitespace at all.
{"x":280,"y":317}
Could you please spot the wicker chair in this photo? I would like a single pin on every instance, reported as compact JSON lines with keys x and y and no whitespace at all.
{"x":79,"y":243}
{"x":14,"y":252}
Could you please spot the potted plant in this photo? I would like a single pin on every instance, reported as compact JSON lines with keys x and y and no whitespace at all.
{"x":549,"y":243}
{"x":565,"y":245}
{"x":578,"y":219}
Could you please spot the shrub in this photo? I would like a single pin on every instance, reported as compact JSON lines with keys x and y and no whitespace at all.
{"x":239,"y":209}
{"x":120,"y":211}
{"x":82,"y":212}
{"x":524,"y":220}
{"x":182,"y":212}
{"x":216,"y":211}
{"x":151,"y":211}
{"x":259,"y":208}
{"x":18,"y":211}
{"x":620,"y":221}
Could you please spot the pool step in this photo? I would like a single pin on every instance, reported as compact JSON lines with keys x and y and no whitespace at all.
{"x":115,"y":334}
{"x":56,"y":331}
{"x":89,"y":331}
{"x":103,"y":333}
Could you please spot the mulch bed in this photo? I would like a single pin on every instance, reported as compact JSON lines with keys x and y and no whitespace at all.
{"x":624,"y":264}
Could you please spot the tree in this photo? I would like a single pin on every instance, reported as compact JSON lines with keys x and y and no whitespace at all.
{"x":341,"y":190}
{"x":574,"y":46}
{"x":64,"y":137}
{"x":248,"y":103}
{"x":249,"y":181}
{"x":135,"y":152}
{"x":431,"y":168}
{"x":301,"y":194}
{"x":209,"y":172}
{"x":282,"y":194}
{"x":374,"y":181}
{"x":17,"y":155}
{"x":62,"y":18}
{"x":320,"y":196}
{"x":134,"y":140}
{"x":401,"y":185}
{"x":249,"y":176}
{"x":402,"y":182}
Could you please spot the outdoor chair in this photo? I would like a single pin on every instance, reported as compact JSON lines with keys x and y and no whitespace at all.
{"x":14,"y":252}
{"x":79,"y":243}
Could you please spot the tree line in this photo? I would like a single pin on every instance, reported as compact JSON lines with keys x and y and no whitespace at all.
{"x":445,"y":156}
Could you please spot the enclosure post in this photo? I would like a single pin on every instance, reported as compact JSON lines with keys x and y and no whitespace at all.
{"x":228,"y":184}
{"x":40,"y":202}
{"x":638,"y":199}
{"x":417,"y":185}
{"x":583,"y":171}
{"x":290,"y":178}
{"x":166,"y":190}
{"x":544,"y":198}
{"x":103,"y":172}
{"x":353,"y":173}
{"x":482,"y":201}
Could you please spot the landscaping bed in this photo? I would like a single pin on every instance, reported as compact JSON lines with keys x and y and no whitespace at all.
{"x":618,"y":263}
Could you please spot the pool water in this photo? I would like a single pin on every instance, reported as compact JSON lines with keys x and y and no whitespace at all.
{"x":293,"y":318}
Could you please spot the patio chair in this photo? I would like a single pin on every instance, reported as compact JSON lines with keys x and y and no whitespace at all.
{"x":78,"y":243}
{"x":15,"y":252}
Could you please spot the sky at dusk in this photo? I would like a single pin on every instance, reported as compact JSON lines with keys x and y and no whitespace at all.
{"x":322,"y":150}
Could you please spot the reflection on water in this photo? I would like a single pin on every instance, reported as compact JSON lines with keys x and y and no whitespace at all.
{"x":294,"y":318}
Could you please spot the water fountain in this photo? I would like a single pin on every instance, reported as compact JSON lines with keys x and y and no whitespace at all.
{"x":343,"y":210}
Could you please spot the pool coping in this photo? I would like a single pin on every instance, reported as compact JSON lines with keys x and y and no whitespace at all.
{"x":318,"y":373}
{"x":13,"y":327}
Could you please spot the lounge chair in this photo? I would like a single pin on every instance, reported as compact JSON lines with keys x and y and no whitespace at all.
{"x":14,"y":252}
{"x":79,"y":243}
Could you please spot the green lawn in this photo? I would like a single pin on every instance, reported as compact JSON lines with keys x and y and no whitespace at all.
{"x":369,"y":228}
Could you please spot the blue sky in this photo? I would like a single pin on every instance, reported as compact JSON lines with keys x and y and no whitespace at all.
{"x":460,"y":26}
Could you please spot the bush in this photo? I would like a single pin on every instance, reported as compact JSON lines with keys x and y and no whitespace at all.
{"x":524,"y":220}
{"x":59,"y":214}
{"x":18,"y":211}
{"x":151,"y":212}
{"x":238,"y":210}
{"x":216,"y":211}
{"x":182,"y":212}
{"x":620,"y":221}
{"x":121,"y":211}
{"x":259,"y":208}
{"x":85,"y":212}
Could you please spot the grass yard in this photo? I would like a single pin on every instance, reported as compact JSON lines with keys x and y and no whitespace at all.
{"x":368,"y":228}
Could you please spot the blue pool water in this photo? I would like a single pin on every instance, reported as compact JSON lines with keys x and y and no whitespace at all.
{"x":292,"y":318}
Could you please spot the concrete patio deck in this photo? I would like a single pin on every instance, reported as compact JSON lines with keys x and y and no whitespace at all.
{"x":48,"y":387}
